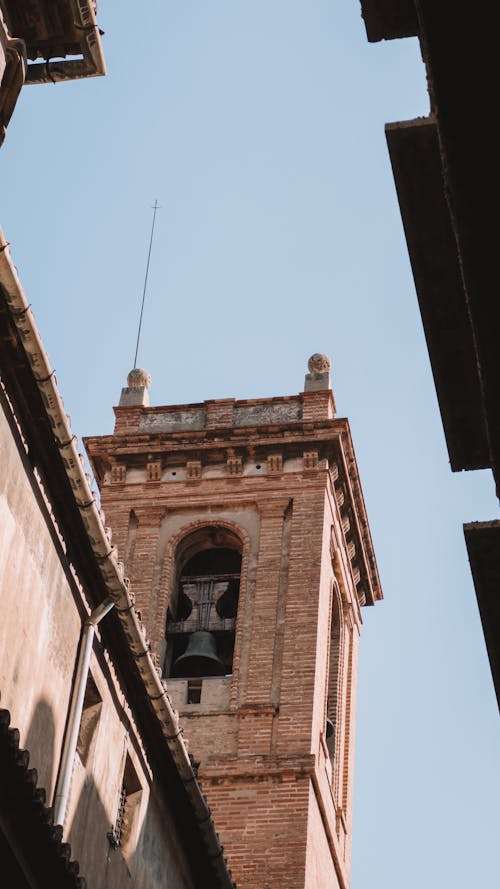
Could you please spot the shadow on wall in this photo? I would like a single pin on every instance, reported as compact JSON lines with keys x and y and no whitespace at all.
{"x":126,"y":852}
{"x":100,"y":863}
{"x":40,"y":745}
{"x":113,"y":849}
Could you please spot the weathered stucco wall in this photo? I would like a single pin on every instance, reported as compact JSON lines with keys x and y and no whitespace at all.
{"x":42,"y":608}
{"x":150,"y":854}
{"x":40,"y":625}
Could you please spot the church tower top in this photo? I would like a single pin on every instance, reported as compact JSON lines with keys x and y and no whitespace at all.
{"x":242,"y":433}
{"x":243,"y":530}
{"x":136,"y":390}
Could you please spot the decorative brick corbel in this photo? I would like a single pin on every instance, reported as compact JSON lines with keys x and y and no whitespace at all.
{"x":193,"y":471}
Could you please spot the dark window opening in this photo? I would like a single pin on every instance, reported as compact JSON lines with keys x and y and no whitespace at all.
{"x":334,"y":690}
{"x":128,"y":804}
{"x":194,"y":691}
{"x":92,"y":705}
{"x":330,"y":736}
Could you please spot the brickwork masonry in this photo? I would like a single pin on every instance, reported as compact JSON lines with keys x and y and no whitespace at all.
{"x":273,"y":741}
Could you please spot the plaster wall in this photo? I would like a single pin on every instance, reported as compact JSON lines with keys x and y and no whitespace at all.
{"x":11,"y":76}
{"x":3,"y":42}
{"x":42,"y":608}
{"x":150,"y":855}
{"x":40,"y":625}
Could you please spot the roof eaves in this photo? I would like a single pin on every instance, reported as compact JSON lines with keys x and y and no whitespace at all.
{"x":27,"y":821}
{"x":415,"y":153}
{"x":110,"y":569}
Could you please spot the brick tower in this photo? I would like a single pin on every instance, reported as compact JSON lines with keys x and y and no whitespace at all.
{"x":244,"y":533}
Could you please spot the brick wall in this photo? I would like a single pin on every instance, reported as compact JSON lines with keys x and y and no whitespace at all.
{"x":280,"y":797}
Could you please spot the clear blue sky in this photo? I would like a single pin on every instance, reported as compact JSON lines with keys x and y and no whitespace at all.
{"x":260,"y":129}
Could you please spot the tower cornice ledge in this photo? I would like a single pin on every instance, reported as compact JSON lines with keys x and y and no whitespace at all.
{"x":226,"y":413}
{"x":259,"y":766}
{"x":315,"y":446}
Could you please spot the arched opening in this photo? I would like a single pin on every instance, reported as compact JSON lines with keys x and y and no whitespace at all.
{"x":334,"y":696}
{"x":201,"y":618}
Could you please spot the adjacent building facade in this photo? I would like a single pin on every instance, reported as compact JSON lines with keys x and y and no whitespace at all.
{"x":244,"y":532}
{"x":97,"y":787}
{"x":446,"y":174}
{"x":45,"y":41}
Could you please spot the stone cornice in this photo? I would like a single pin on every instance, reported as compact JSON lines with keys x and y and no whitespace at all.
{"x":316,"y":449}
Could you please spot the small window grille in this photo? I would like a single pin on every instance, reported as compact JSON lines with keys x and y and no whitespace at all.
{"x":128,"y":804}
{"x":116,"y":832}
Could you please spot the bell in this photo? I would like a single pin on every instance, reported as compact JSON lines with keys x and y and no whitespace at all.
{"x":200,"y":657}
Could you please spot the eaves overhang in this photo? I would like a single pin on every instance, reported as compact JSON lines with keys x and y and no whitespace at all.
{"x":483,"y":547}
{"x":389,"y":19}
{"x":459,"y":50}
{"x":370,"y":577}
{"x":32,"y":851}
{"x":416,"y":160}
{"x":61,"y":37}
{"x":31,"y":389}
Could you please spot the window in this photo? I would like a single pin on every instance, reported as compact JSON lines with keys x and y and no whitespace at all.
{"x":194,"y":691}
{"x":334,"y":696}
{"x":128,"y":804}
{"x":92,"y":705}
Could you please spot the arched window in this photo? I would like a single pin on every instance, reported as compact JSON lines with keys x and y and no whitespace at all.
{"x":201,"y":618}
{"x":334,"y":696}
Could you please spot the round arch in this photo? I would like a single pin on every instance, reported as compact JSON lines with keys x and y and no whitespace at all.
{"x":205,"y":561}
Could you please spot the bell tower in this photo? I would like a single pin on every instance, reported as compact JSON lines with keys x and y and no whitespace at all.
{"x":243,"y":530}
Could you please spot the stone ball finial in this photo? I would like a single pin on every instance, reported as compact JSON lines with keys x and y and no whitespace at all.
{"x":139,"y":378}
{"x":319,"y":364}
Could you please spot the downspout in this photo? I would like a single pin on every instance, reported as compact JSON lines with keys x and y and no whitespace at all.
{"x":75,"y":712}
{"x":111,"y":569}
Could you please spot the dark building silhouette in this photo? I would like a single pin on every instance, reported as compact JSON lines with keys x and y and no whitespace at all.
{"x":446,"y":176}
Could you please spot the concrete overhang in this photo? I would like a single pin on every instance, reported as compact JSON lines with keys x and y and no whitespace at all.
{"x":62,"y":38}
{"x":446,"y":173}
{"x":416,"y":160}
{"x":483,"y":547}
{"x":459,"y":49}
{"x":389,"y":19}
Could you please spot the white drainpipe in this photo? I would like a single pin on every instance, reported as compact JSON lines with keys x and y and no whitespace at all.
{"x":75,"y":712}
{"x":111,"y":568}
